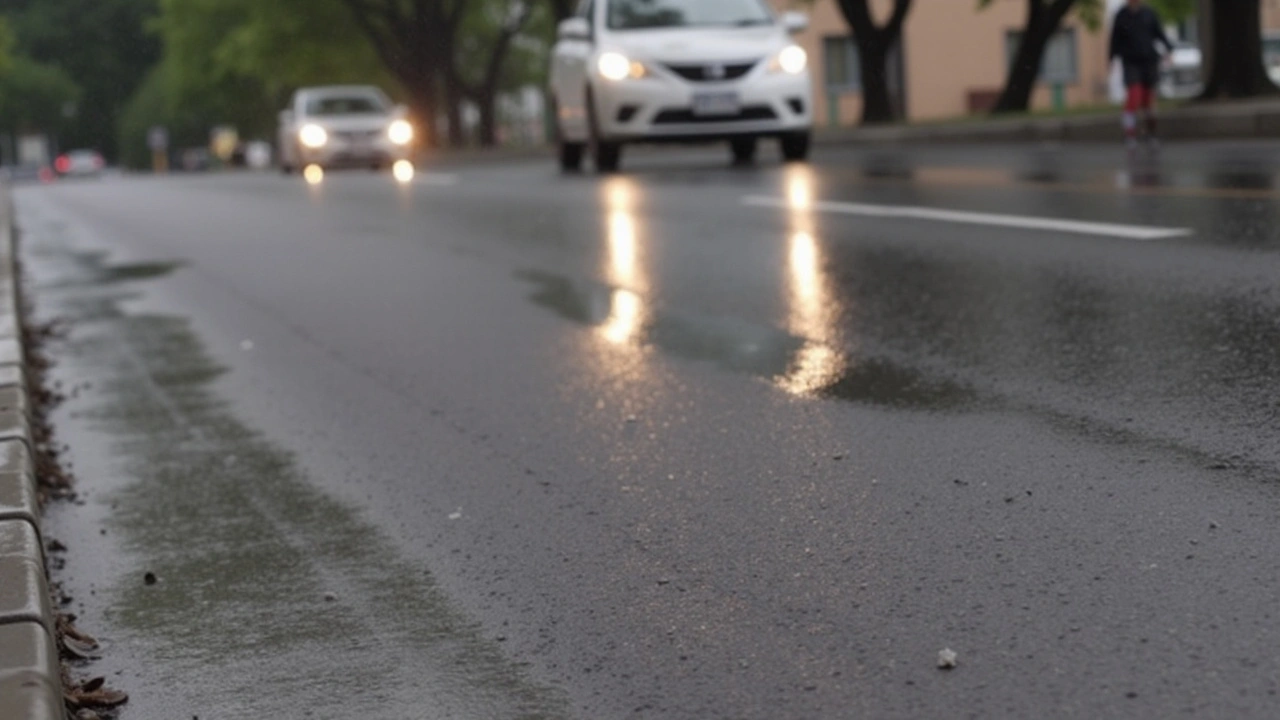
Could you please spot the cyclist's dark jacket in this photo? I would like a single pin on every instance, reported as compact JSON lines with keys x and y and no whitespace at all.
{"x":1134,"y":36}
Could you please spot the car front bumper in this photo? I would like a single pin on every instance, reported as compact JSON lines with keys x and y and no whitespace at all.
{"x":354,"y":150}
{"x":661,"y":107}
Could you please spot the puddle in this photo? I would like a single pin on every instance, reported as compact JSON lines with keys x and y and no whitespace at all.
{"x":273,"y":599}
{"x":738,"y":346}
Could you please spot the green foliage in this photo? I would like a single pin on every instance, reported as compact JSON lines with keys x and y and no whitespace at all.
{"x":1172,"y":11}
{"x":235,"y":62}
{"x":101,"y":45}
{"x":34,"y":97}
{"x":6,"y":46}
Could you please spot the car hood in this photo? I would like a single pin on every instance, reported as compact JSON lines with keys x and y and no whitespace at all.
{"x":692,"y":45}
{"x":352,"y":123}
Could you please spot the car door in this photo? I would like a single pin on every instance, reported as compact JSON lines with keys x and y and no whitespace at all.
{"x":570,"y":60}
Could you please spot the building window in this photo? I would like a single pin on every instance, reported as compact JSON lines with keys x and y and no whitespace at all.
{"x":840,"y":59}
{"x":1058,"y":66}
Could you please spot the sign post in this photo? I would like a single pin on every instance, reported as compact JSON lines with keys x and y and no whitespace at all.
{"x":158,"y":141}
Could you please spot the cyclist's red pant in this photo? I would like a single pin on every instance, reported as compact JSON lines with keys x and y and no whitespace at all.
{"x":1140,"y":97}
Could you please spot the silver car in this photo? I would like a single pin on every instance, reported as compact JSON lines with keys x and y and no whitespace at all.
{"x":343,"y":126}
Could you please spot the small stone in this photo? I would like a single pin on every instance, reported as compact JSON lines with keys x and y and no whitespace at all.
{"x":947,"y":659}
{"x":1213,"y":525}
{"x":149,"y":578}
{"x":330,"y":597}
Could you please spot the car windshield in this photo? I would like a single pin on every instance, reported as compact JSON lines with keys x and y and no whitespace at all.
{"x":346,"y":105}
{"x":644,"y":14}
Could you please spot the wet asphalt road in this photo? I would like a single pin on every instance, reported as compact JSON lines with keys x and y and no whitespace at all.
{"x":687,"y":442}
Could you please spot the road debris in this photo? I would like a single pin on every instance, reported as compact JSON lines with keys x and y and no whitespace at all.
{"x":947,"y":659}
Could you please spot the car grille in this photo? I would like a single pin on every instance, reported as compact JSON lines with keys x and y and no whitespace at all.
{"x":684,"y":116}
{"x":357,"y":135}
{"x":712,"y":72}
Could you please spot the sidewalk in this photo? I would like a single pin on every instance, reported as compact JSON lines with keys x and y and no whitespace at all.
{"x":1218,"y":121}
{"x":30,"y":683}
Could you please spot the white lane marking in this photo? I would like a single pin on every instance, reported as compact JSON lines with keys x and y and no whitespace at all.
{"x":1130,"y":232}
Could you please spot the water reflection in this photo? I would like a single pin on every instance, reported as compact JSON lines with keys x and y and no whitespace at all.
{"x":811,"y":305}
{"x":403,"y":171}
{"x":314,"y":174}
{"x":622,"y":263}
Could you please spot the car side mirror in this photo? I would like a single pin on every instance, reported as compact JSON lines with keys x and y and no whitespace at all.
{"x":574,"y":29}
{"x":795,"y":22}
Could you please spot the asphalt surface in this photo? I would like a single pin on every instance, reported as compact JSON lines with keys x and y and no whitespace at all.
{"x":691,"y":441}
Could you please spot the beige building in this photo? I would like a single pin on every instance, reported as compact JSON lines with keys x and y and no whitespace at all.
{"x":953,"y":58}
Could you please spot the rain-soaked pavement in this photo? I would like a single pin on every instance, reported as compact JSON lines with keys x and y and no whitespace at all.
{"x":685,"y":442}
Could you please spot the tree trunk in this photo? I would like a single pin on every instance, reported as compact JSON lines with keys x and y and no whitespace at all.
{"x":420,"y":85}
{"x":1236,"y":69}
{"x":488,"y":106}
{"x":877,"y":106}
{"x":874,"y":43}
{"x":453,"y":113}
{"x":1042,"y":23}
{"x":562,"y":9}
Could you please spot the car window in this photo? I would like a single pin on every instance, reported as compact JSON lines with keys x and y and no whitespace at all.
{"x":642,"y":14}
{"x":345,"y":105}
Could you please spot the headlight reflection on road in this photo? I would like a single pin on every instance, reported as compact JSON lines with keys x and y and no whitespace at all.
{"x":623,"y":263}
{"x":799,"y":187}
{"x":812,"y":309}
{"x":403,"y":171}
{"x":314,"y":174}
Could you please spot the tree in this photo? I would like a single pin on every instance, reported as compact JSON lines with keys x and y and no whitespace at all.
{"x":431,"y":46}
{"x":103,"y":46}
{"x":1044,"y":17}
{"x":1234,"y":52}
{"x":34,"y":97}
{"x":488,"y":36}
{"x":235,"y":62}
{"x":874,"y":43}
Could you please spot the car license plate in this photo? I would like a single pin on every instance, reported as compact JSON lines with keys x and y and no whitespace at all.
{"x":716,"y":104}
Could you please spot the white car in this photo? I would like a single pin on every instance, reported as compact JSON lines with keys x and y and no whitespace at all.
{"x":1180,"y":73}
{"x":343,"y":126}
{"x":679,"y":71}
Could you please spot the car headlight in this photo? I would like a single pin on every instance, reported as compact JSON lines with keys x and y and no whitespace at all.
{"x":617,"y":67}
{"x":400,"y":132}
{"x":792,"y":60}
{"x":313,"y":136}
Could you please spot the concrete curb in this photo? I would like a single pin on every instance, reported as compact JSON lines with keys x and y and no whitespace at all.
{"x":30,"y":679}
{"x":1218,"y":121}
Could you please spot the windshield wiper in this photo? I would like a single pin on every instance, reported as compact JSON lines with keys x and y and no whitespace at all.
{"x":752,"y":21}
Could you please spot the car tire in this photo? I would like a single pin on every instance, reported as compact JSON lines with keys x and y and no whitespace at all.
{"x":571,"y":156}
{"x":744,"y":150}
{"x":606,"y":155}
{"x":795,"y":146}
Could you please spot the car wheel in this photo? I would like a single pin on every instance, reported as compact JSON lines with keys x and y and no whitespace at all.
{"x":570,"y":156}
{"x":607,"y":155}
{"x":744,"y":150}
{"x":795,"y":146}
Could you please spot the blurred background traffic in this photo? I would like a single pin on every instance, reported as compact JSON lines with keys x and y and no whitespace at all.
{"x":192,"y":85}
